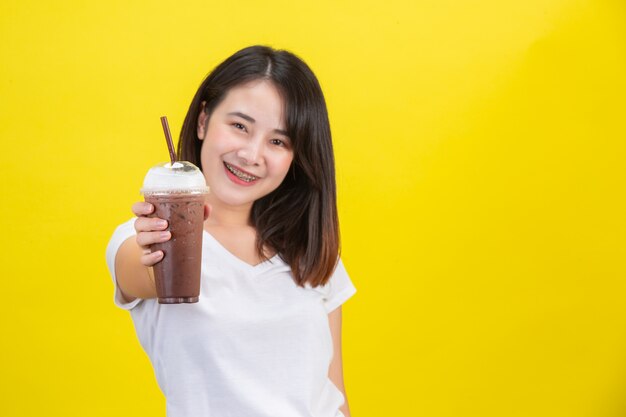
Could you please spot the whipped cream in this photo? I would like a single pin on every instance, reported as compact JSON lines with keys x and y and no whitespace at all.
{"x":182,"y":176}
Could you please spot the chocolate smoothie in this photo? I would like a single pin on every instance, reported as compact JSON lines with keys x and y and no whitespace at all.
{"x":177,"y":275}
{"x":178,"y":192}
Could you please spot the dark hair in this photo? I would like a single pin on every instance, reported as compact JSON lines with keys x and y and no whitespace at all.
{"x":298,"y":220}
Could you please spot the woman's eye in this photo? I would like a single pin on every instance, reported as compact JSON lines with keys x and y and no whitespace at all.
{"x":278,"y":142}
{"x":239,"y":126}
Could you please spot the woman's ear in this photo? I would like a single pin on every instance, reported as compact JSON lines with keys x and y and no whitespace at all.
{"x":203,"y":119}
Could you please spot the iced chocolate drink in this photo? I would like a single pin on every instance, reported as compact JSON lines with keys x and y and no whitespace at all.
{"x":178,"y":194}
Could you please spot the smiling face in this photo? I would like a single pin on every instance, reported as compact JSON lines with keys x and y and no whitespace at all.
{"x":246,"y":152}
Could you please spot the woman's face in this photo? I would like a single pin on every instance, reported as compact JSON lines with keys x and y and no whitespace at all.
{"x":245,"y":152}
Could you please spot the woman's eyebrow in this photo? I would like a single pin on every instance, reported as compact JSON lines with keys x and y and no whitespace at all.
{"x":251,"y":120}
{"x":243,"y":116}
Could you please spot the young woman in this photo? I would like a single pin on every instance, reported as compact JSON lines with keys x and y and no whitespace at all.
{"x":265,"y":337}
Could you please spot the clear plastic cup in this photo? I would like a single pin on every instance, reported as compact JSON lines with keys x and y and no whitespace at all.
{"x":178,"y":192}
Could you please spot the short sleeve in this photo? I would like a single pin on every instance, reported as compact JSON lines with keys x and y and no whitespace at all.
{"x":121,"y":233}
{"x":340,"y":288}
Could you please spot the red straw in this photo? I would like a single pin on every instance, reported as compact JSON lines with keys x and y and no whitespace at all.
{"x":168,"y":138}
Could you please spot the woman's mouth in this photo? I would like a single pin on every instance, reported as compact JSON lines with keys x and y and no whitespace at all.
{"x":243,"y":176}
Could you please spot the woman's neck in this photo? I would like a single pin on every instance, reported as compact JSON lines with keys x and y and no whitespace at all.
{"x":223,"y":215}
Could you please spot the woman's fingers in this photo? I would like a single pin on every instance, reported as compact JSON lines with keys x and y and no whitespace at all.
{"x":150,"y":224}
{"x":151,"y":258}
{"x":150,"y":230}
{"x":148,"y":238}
{"x":141,"y":208}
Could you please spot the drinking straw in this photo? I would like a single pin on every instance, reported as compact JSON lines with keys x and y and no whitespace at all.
{"x":168,"y":138}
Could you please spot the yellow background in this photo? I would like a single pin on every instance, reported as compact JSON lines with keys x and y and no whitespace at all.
{"x":481,"y":153}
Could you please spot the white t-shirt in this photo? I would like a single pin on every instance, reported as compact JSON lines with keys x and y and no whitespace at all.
{"x":255,"y":345}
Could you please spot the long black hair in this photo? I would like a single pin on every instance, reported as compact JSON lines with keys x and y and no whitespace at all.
{"x":299,"y":219}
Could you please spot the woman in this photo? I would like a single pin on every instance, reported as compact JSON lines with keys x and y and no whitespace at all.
{"x":260,"y":341}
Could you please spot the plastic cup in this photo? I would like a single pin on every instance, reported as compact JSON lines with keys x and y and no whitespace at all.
{"x":178,"y":192}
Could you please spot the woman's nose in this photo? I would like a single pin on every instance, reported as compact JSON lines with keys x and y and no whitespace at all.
{"x":251,"y":153}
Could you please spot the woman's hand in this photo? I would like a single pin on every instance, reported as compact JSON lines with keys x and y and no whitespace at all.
{"x":151,"y":230}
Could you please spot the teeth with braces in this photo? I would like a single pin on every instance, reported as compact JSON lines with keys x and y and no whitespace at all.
{"x":241,"y":175}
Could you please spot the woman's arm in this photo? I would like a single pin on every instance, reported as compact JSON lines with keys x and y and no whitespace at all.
{"x":134,"y":260}
{"x":335,"y":372}
{"x":134,"y":279}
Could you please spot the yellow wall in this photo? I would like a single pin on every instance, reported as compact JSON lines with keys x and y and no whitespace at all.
{"x":481,"y":169}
